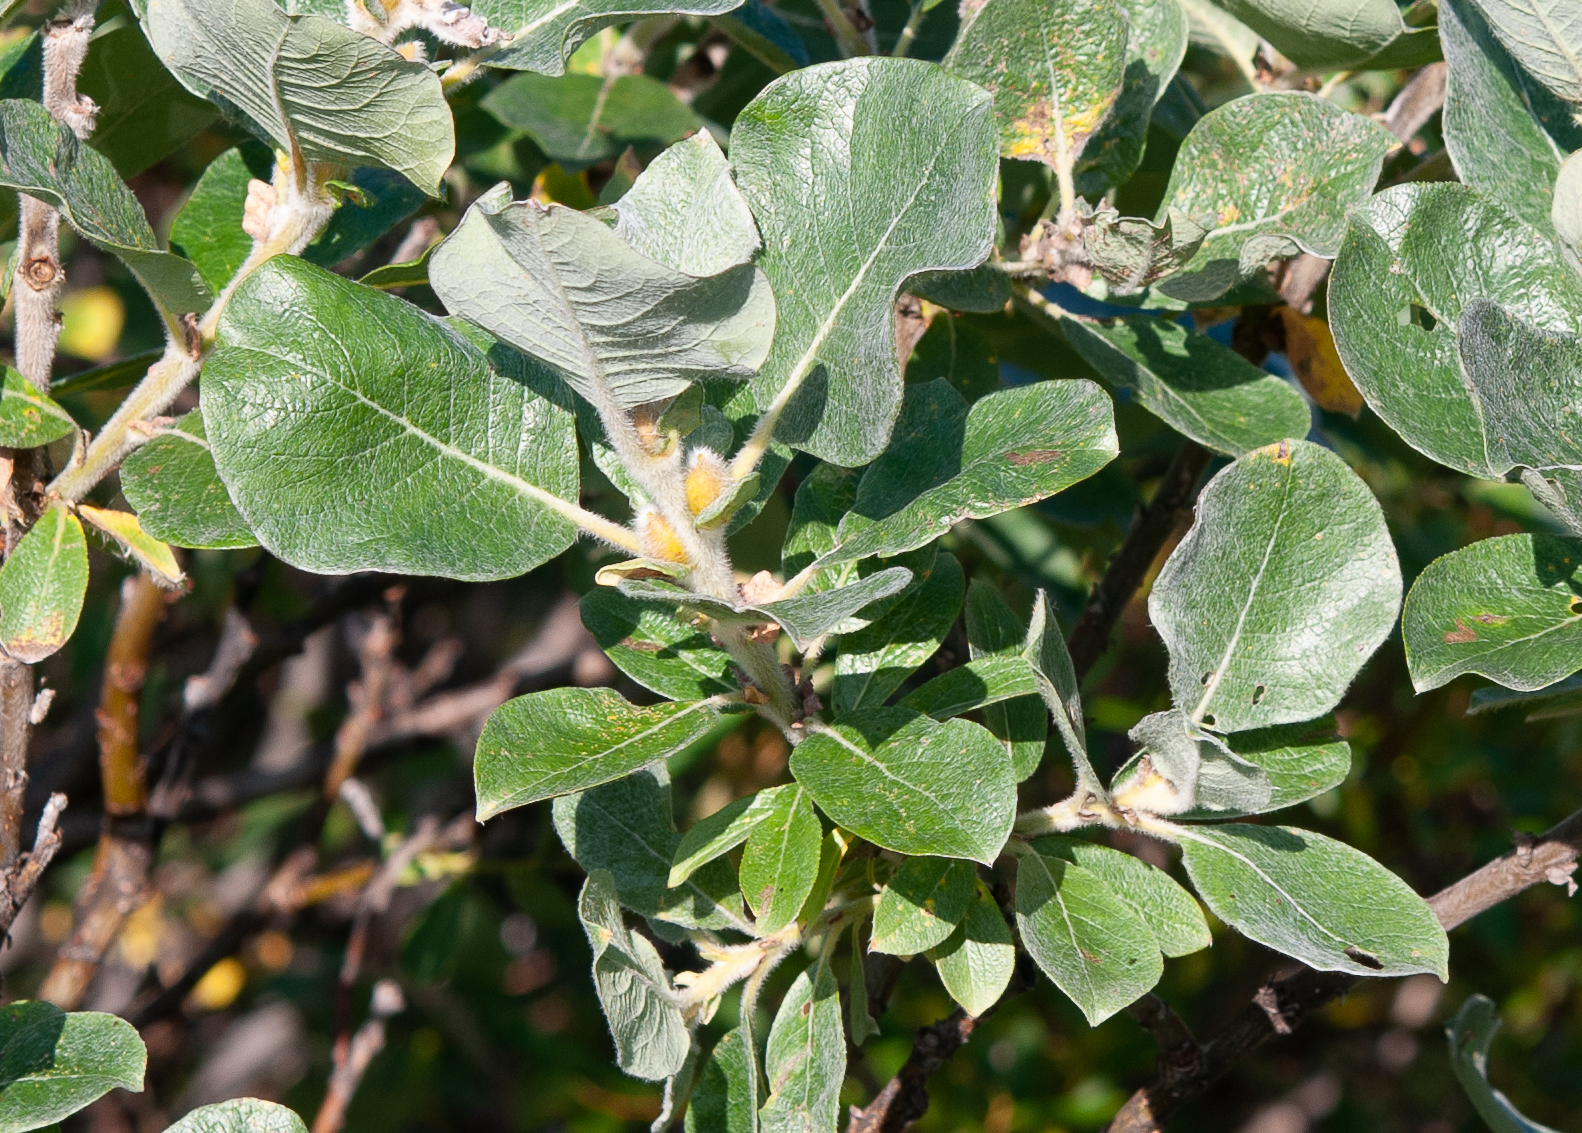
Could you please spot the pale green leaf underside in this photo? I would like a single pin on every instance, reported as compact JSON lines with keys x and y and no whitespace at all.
{"x":1505,"y":608}
{"x":1314,"y":899}
{"x":912,"y":784}
{"x":42,"y":586}
{"x":52,"y":1063}
{"x":947,"y":463}
{"x":1200,"y":388}
{"x":1546,"y":36}
{"x":621,"y":329}
{"x":1090,"y":941}
{"x":569,"y":739}
{"x":1337,"y":33}
{"x":546,"y":32}
{"x":1471,"y":1033}
{"x":356,"y":432}
{"x":44,"y":159}
{"x":343,"y":97}
{"x":1299,"y":762}
{"x":1414,"y":256}
{"x":860,"y":174}
{"x":240,"y":1115}
{"x":684,"y":210}
{"x":1276,"y":172}
{"x":1283,"y":588}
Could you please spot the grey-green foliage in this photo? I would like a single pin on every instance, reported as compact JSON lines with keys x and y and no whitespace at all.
{"x":552,"y":743}
{"x":28,"y":418}
{"x":1413,"y":258}
{"x":947,"y":462}
{"x":651,"y":1039}
{"x":581,"y":120}
{"x":686,"y":212}
{"x":922,"y":905}
{"x":1022,"y":723}
{"x":627,"y":827}
{"x":1566,"y":213}
{"x":1471,"y":1032}
{"x":42,"y":585}
{"x":912,"y":784}
{"x":1527,"y":384}
{"x":780,"y":860}
{"x":976,"y":961}
{"x":621,"y":329}
{"x":1354,"y":34}
{"x":1546,"y":37}
{"x":1298,"y":761}
{"x":1313,"y":898}
{"x":1092,"y":942}
{"x":1055,"y":70}
{"x":1203,"y":389}
{"x":367,"y":466}
{"x":1277,"y":173}
{"x":1506,"y":134}
{"x":52,"y":1063}
{"x":240,"y":1115}
{"x":725,"y":1098}
{"x":1155,"y":44}
{"x":900,"y":636}
{"x":959,"y":353}
{"x":1131,"y":253}
{"x":1173,"y":916}
{"x":721,"y":832}
{"x":655,"y":648}
{"x":308,"y":83}
{"x":980,"y":683}
{"x":173,"y":485}
{"x":860,"y":174}
{"x":544,"y":33}
{"x":44,"y":159}
{"x":1284,"y":587}
{"x":805,"y":1058}
{"x":1506,"y":608}
{"x":1180,"y":767}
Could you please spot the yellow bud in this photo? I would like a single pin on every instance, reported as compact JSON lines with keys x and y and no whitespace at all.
{"x":707,"y":477}
{"x":659,"y":538}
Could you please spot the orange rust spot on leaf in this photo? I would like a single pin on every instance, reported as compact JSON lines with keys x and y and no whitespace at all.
{"x":1280,"y":453}
{"x":1033,"y":456}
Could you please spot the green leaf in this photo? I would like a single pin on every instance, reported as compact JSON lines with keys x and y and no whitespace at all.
{"x":874,"y":661}
{"x":1173,"y":916}
{"x":651,"y":1039}
{"x":52,"y":1064}
{"x":1350,"y":34}
{"x":412,"y":273}
{"x":1506,"y":608}
{"x":44,"y":159}
{"x":240,"y":1115}
{"x":954,"y":350}
{"x":1413,"y":258}
{"x":621,"y":329}
{"x":121,"y":374}
{"x":1314,"y":899}
{"x":924,"y":902}
{"x":1022,"y":724}
{"x":177,"y":492}
{"x":780,"y":860}
{"x":725,"y":1099}
{"x":1545,"y":36}
{"x":27,"y":417}
{"x":1201,"y":389}
{"x":805,"y":1060}
{"x":911,"y":784}
{"x":1283,"y":588}
{"x":986,"y":681}
{"x":41,"y":586}
{"x":1277,"y":172}
{"x":384,"y":199}
{"x":144,"y":115}
{"x":308,"y":82}
{"x":628,"y":828}
{"x":542,"y":34}
{"x":862,"y":1023}
{"x":1563,"y":698}
{"x":447,"y":456}
{"x":656,"y":649}
{"x":766,"y":35}
{"x":821,"y":500}
{"x":861,"y":174}
{"x":1156,"y":42}
{"x":1528,"y":385}
{"x":1089,"y":940}
{"x":947,"y":462}
{"x":1567,"y":211}
{"x":806,"y":617}
{"x":581,"y":120}
{"x":208,"y":229}
{"x":685,"y":212}
{"x":1471,"y":1033}
{"x":1506,"y":134}
{"x":1054,"y":69}
{"x":976,"y":962}
{"x":721,"y":832}
{"x":984,"y":289}
{"x":552,"y":743}
{"x":1299,"y":762}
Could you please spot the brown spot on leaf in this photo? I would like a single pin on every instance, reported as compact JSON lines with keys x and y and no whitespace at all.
{"x":1090,"y":957}
{"x":1033,"y":456}
{"x":641,"y":646}
{"x":1490,"y":619}
{"x":1461,"y":635}
{"x":1364,"y":957}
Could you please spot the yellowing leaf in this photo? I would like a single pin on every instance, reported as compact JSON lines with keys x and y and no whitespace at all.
{"x":1311,"y":349}
{"x":153,"y":556}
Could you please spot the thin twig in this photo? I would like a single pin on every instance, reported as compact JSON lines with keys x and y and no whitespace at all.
{"x":360,"y":1050}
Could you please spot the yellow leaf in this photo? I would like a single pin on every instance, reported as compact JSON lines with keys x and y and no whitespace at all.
{"x":155,"y":557}
{"x":220,"y":985}
{"x":1311,"y":349}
